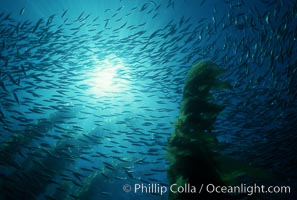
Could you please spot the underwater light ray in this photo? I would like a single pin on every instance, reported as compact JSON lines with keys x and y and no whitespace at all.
{"x":104,"y":77}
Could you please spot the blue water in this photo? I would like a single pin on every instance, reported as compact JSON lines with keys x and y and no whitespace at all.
{"x":90,"y":93}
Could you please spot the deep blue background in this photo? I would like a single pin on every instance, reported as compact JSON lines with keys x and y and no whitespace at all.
{"x":148,"y":46}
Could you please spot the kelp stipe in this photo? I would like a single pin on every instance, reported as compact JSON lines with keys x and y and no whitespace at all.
{"x":193,"y":149}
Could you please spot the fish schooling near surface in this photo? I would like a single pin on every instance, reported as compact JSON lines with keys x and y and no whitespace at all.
{"x":99,"y":94}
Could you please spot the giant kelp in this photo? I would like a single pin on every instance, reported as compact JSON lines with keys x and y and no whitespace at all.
{"x":193,"y":149}
{"x":49,"y":59}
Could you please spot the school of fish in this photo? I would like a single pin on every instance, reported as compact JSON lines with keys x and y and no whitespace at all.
{"x":61,"y":138}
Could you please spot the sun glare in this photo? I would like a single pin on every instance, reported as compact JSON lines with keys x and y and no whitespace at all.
{"x":104,"y":78}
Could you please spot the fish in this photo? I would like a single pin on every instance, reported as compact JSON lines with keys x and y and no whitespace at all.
{"x":22,"y":11}
{"x":16,"y":98}
{"x":64,"y":13}
{"x":47,"y":63}
{"x":37,"y":25}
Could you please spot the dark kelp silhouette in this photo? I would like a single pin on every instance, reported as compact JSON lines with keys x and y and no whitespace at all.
{"x":33,"y":174}
{"x":193,"y":149}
